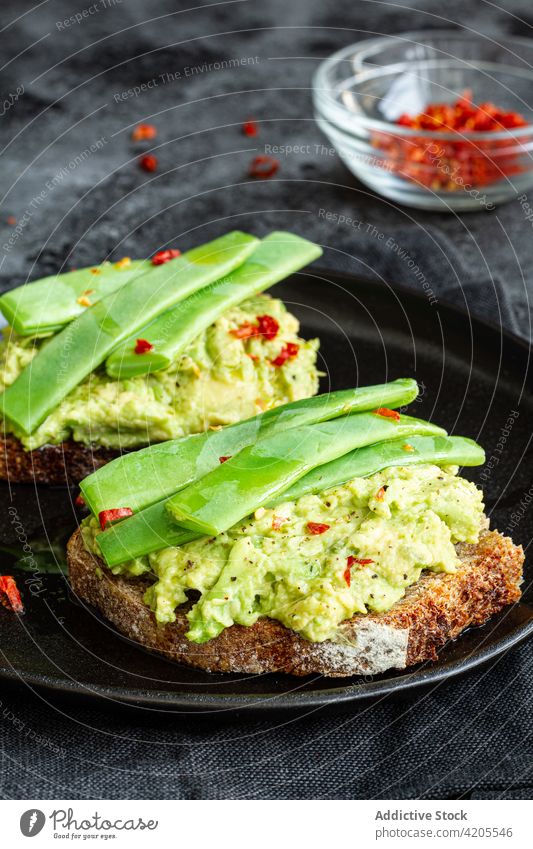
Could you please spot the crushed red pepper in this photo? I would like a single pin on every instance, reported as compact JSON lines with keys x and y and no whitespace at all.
{"x":9,"y":587}
{"x":148,"y":162}
{"x":450,"y":164}
{"x":79,"y":501}
{"x":266,"y":326}
{"x":289,"y":352}
{"x":224,"y":459}
{"x":165,"y":256}
{"x":106,"y":516}
{"x":278,"y":522}
{"x":244,"y":331}
{"x":263,"y":167}
{"x":143,"y":346}
{"x":144,"y":132}
{"x":385,"y":413}
{"x":380,"y":494}
{"x":250,"y":128}
{"x":361,"y":561}
{"x":317,"y":527}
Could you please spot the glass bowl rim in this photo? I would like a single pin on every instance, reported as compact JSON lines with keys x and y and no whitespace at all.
{"x":321,"y":90}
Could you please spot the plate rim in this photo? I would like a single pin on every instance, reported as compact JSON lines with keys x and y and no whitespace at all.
{"x":410,"y":679}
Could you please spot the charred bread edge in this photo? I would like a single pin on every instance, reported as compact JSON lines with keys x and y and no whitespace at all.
{"x":67,"y":463}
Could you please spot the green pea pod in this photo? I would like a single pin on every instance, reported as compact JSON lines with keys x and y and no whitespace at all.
{"x":277,"y":256}
{"x":66,"y":359}
{"x":46,"y":305}
{"x":153,"y":528}
{"x":146,"y":476}
{"x":260,"y":472}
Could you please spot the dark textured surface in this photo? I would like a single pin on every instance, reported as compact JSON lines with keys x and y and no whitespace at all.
{"x":465,"y":737}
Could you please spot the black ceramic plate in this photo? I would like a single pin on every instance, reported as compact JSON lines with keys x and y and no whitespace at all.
{"x":474,"y":380}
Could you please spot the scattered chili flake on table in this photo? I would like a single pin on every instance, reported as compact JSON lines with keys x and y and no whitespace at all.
{"x":148,"y":162}
{"x":143,"y":346}
{"x":289,"y":352}
{"x":224,"y":459}
{"x":464,"y":163}
{"x":317,"y":527}
{"x":385,"y":413}
{"x":250,"y":128}
{"x":106,"y":516}
{"x":9,"y":587}
{"x":263,"y":167}
{"x":11,"y":220}
{"x":144,"y":132}
{"x":165,"y":256}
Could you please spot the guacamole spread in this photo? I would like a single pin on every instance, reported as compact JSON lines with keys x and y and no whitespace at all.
{"x":219,"y":380}
{"x":314,"y":562}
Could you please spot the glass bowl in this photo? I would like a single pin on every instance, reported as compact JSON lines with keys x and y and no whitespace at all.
{"x":360,"y":93}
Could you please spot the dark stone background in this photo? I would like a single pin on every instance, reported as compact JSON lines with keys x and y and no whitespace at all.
{"x":73,"y":76}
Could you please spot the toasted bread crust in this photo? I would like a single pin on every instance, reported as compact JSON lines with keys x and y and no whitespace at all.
{"x":436,"y":609}
{"x":64,"y":464}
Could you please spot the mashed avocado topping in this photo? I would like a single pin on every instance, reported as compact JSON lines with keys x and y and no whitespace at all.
{"x":219,"y":380}
{"x":314,"y":562}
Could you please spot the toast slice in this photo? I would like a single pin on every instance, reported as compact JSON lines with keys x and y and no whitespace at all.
{"x":66,"y":463}
{"x":434,"y":610}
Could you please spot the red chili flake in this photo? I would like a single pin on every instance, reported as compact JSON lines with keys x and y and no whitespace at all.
{"x":79,"y":501}
{"x":250,"y":128}
{"x":223,"y":459}
{"x":9,"y":587}
{"x":457,"y":163}
{"x":165,"y":256}
{"x":144,"y":132}
{"x":267,"y":326}
{"x":385,"y":413}
{"x":263,"y":167}
{"x":287,"y":353}
{"x":278,"y":522}
{"x":380,"y":494}
{"x":254,"y":357}
{"x":244,"y":331}
{"x":347,"y":575}
{"x":11,"y":220}
{"x":142,"y":346}
{"x":317,"y":527}
{"x":361,"y":561}
{"x":148,"y":162}
{"x":112,"y":515}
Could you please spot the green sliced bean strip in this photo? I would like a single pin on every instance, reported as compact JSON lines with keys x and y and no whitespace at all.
{"x":67,"y":358}
{"x":153,"y":529}
{"x":277,"y":256}
{"x":144,"y":477}
{"x":46,"y":305}
{"x":260,"y":472}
